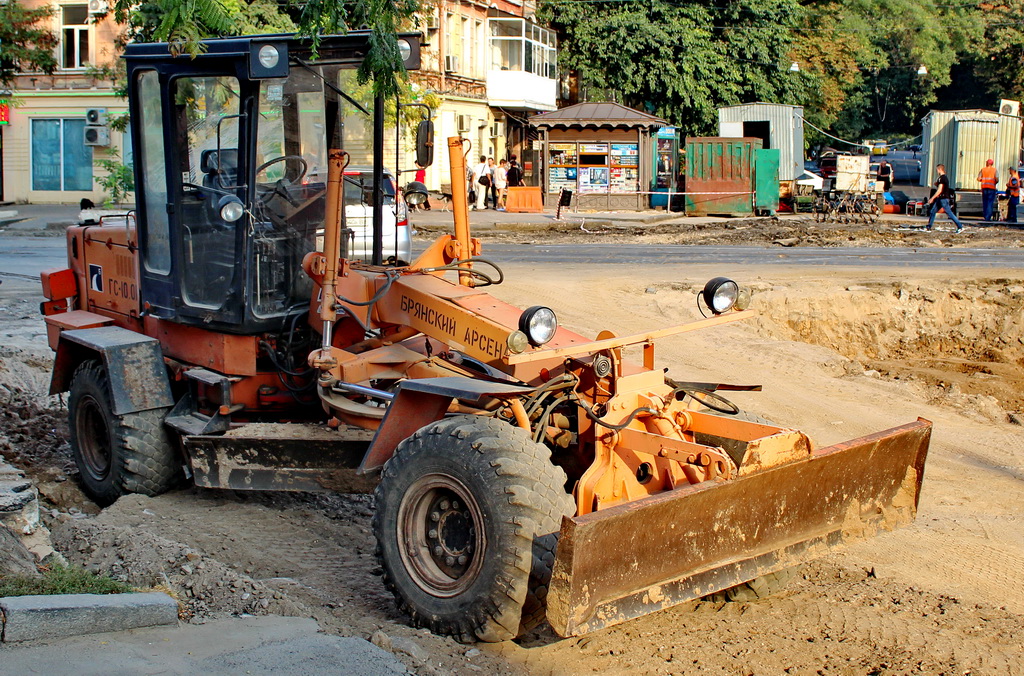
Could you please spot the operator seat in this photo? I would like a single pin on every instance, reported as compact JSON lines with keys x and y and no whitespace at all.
{"x":220,"y":172}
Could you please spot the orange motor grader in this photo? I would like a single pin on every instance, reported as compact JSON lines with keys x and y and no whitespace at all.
{"x":224,"y":334}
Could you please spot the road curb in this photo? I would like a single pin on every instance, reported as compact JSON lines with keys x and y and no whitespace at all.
{"x":30,"y":618}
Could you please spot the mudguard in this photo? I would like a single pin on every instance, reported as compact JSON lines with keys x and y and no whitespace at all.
{"x":421,"y":402}
{"x":134,"y":363}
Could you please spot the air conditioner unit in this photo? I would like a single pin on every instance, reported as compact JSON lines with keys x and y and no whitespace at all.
{"x":97,"y":136}
{"x":464,"y":122}
{"x":98,"y":7}
{"x":451,"y":64}
{"x":1007,"y":107}
{"x":431,"y":21}
{"x":498,"y":128}
{"x":96,"y":116}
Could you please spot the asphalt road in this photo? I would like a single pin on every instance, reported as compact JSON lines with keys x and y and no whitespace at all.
{"x":627,"y":254}
{"x":24,"y":257}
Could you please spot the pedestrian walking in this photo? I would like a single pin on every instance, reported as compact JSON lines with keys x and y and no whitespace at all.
{"x":1012,"y":195}
{"x":501,"y":184}
{"x":481,"y":182}
{"x":988,"y":179}
{"x":941,"y":199}
{"x":493,"y":189}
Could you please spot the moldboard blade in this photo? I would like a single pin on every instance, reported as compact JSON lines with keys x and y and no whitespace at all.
{"x":639,"y":557}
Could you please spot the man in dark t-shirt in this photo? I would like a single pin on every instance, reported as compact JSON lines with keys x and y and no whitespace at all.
{"x":885,"y":175}
{"x":941,"y":199}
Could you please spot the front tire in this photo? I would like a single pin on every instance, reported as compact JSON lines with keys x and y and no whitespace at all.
{"x":117,"y":454}
{"x":468,"y":511}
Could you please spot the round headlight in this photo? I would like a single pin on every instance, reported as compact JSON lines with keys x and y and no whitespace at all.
{"x":230,"y":208}
{"x":415,"y":193}
{"x":539,"y":324}
{"x":720,"y":294}
{"x":404,"y":50}
{"x":517,"y":342}
{"x":269,"y":56}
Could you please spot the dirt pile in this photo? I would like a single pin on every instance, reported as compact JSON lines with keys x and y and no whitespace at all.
{"x":202,"y":584}
{"x":963,"y":340}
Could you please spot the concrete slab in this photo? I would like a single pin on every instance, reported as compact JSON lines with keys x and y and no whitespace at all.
{"x":246,"y":645}
{"x":32,"y":618}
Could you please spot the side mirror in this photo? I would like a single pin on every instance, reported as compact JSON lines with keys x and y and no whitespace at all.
{"x":425,"y":143}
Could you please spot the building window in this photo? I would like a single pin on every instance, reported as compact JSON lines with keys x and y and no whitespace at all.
{"x":75,"y":30}
{"x":60,"y":158}
{"x":467,"y":54}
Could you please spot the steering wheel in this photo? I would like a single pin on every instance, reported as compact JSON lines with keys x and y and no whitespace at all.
{"x":280,"y":186}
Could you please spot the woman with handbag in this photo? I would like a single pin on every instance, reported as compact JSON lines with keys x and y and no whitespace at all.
{"x":481,"y":182}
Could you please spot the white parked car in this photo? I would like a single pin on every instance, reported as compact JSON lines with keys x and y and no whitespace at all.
{"x":397,"y":241}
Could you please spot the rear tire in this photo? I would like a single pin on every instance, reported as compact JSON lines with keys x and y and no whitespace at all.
{"x":117,"y":454}
{"x":468,"y":511}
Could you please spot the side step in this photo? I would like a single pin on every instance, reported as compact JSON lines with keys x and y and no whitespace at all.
{"x":281,"y":457}
{"x":185,"y":419}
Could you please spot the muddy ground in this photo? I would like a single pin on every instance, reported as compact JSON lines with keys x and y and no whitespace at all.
{"x":840,"y":352}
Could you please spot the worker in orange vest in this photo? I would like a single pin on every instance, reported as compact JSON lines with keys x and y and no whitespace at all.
{"x":1012,"y":196}
{"x":987,"y":178}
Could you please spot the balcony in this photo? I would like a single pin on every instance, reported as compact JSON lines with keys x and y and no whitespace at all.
{"x":520,"y":90}
{"x":523,"y":74}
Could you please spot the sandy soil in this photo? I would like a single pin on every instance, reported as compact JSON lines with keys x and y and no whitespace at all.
{"x":840,"y":353}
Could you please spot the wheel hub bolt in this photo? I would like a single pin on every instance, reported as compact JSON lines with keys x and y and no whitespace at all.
{"x":449,"y":561}
{"x":455,"y":504}
{"x":432,"y":534}
{"x":444,"y":504}
{"x":462,"y":560}
{"x":438,"y":551}
{"x":434,"y":516}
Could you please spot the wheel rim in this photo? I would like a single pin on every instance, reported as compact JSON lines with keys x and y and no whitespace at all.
{"x":93,"y":436}
{"x":440,"y":535}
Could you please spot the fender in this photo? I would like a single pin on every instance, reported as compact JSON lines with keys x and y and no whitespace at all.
{"x":134,"y":363}
{"x":421,"y":402}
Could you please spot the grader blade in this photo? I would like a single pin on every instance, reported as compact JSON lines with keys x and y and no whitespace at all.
{"x":632,"y":559}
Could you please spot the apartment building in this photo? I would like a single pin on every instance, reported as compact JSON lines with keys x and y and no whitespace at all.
{"x":489,"y":64}
{"x":492,"y":66}
{"x":48,"y":145}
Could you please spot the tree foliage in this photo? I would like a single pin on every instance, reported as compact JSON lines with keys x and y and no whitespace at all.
{"x":858,"y":59}
{"x":183,"y":23}
{"x":680,"y":60}
{"x":25,"y":43}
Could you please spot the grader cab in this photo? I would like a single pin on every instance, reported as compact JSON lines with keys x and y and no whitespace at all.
{"x":225,"y":335}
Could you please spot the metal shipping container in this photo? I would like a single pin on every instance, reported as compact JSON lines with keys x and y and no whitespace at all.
{"x":720,"y":175}
{"x":963,"y":140}
{"x":776,"y":124}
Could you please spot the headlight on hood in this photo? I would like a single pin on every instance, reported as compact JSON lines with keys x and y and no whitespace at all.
{"x":720,"y":294}
{"x":539,"y":324}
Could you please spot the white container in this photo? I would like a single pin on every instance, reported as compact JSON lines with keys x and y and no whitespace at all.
{"x":776,"y":124}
